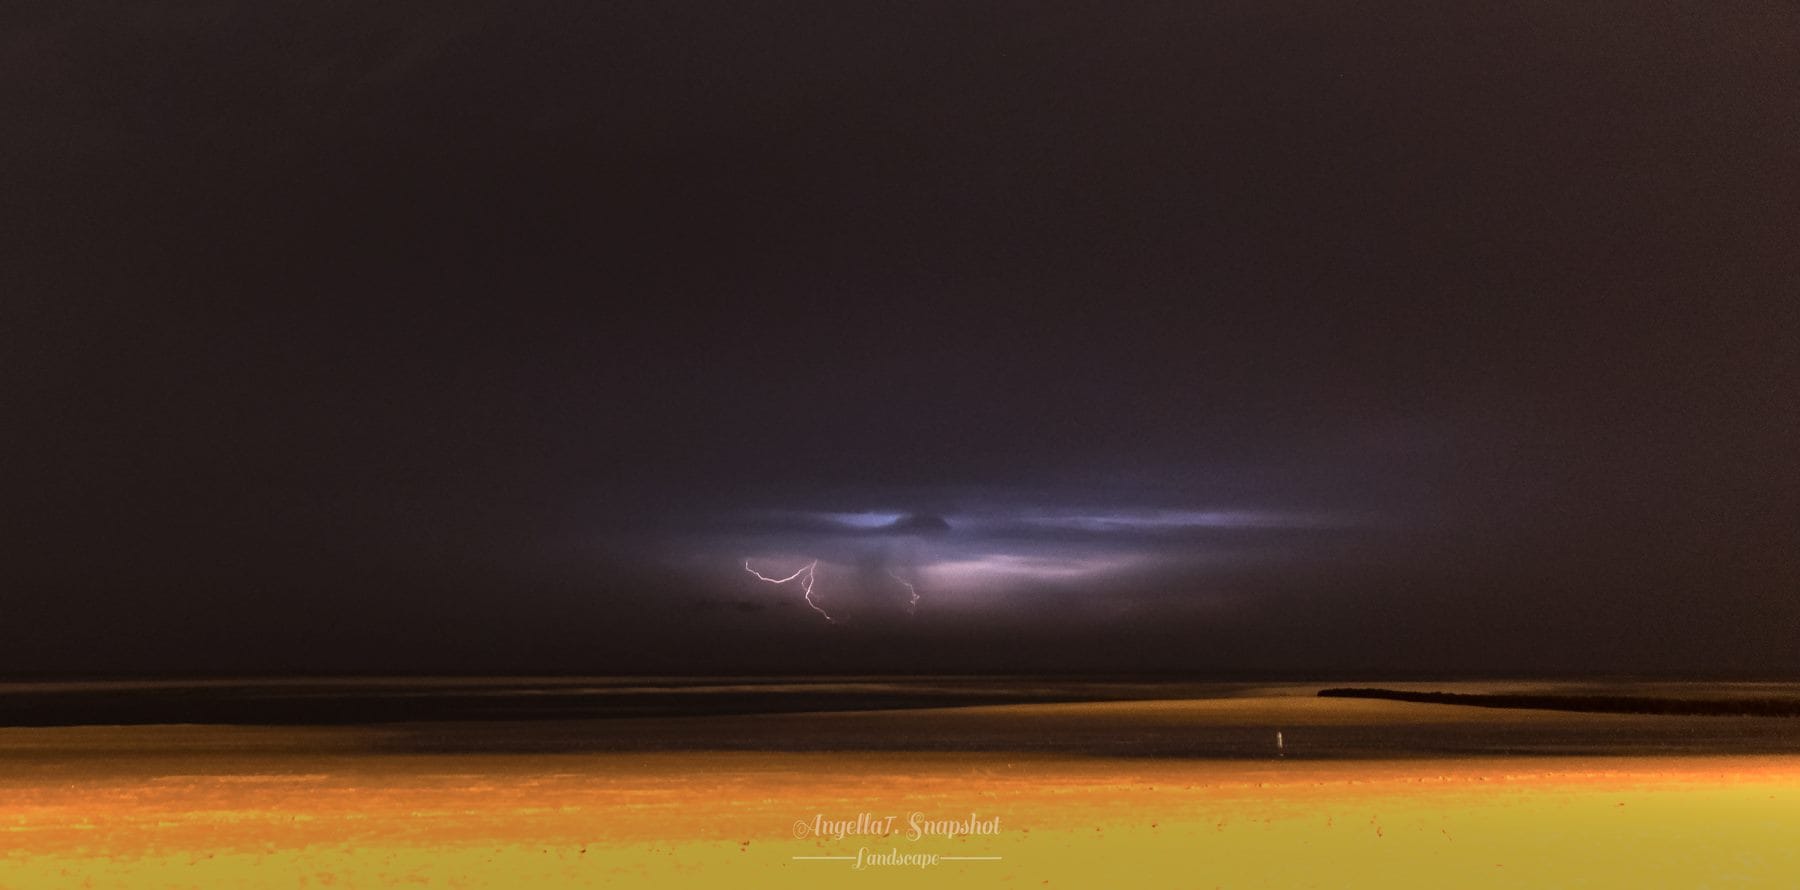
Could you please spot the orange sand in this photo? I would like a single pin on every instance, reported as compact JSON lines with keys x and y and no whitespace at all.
{"x":338,"y":818}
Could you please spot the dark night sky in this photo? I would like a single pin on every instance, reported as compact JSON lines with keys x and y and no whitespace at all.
{"x":1249,"y":336}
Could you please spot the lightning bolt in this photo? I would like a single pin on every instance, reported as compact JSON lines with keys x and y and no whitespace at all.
{"x":914,"y":602}
{"x":806,"y":574}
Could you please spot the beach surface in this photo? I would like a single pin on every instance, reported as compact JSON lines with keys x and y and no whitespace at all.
{"x":1190,"y":792}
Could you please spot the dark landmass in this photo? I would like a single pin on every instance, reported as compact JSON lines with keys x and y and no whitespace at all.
{"x":323,"y":702}
{"x":91,"y":721}
{"x":1597,"y":704}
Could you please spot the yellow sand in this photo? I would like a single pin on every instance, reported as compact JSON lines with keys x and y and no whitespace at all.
{"x":343,"y":819}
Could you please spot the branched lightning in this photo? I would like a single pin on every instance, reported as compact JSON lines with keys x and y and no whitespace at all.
{"x":806,"y":574}
{"x":913,"y":603}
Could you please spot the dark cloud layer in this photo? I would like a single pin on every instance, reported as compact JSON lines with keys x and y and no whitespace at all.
{"x":465,"y":336}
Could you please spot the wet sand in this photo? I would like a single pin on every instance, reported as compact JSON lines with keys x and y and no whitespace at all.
{"x":700,"y":801}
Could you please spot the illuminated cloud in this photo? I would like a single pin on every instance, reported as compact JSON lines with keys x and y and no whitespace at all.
{"x":876,"y":560}
{"x":1022,"y":569}
{"x":1127,"y":520}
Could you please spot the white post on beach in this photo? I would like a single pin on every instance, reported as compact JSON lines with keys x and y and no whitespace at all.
{"x":1280,"y":747}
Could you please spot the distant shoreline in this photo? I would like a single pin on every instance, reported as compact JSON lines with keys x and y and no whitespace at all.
{"x":1145,"y":721}
{"x":1593,"y":704}
{"x":391,"y":701}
